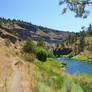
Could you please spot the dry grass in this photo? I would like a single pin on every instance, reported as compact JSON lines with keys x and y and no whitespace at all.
{"x":5,"y":68}
{"x":28,"y":81}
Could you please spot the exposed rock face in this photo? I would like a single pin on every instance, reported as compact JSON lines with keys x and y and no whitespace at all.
{"x":62,"y":51}
{"x":23,"y":30}
{"x":6,"y":35}
{"x":49,"y":35}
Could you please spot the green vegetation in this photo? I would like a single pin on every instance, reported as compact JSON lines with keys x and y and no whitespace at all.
{"x":53,"y":79}
{"x":79,"y":43}
{"x":29,"y":57}
{"x":41,"y":54}
{"x":70,"y":86}
{"x":85,"y":81}
{"x":40,"y":42}
{"x":48,"y":74}
{"x":29,"y":46}
{"x":80,"y":58}
{"x":82,"y":42}
{"x":70,"y":55}
{"x":49,"y":78}
{"x":50,"y":54}
{"x":33,"y":50}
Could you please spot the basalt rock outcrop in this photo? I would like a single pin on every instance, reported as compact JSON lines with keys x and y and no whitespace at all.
{"x":62,"y":51}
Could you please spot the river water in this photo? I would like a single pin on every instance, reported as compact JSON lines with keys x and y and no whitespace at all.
{"x":75,"y":67}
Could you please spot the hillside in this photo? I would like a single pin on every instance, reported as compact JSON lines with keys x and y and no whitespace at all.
{"x":80,"y":43}
{"x":36,"y":76}
{"x":23,"y":30}
{"x":23,"y":71}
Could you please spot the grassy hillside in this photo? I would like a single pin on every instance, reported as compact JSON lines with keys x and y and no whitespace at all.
{"x":38,"y":76}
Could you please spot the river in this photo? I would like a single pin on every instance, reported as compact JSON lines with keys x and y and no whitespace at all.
{"x":75,"y":67}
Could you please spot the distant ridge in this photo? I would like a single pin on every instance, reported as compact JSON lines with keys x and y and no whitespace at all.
{"x":24,"y":30}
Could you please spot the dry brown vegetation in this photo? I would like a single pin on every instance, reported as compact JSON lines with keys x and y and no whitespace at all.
{"x":5,"y":68}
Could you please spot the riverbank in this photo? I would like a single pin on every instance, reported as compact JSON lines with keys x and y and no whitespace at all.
{"x":53,"y":79}
{"x":77,"y":57}
{"x":82,"y":58}
{"x":76,"y":67}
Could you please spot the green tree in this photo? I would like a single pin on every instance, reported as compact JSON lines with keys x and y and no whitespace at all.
{"x":41,"y":54}
{"x":40,"y":42}
{"x":82,"y":43}
{"x":29,"y":46}
{"x":71,"y":38}
{"x":50,"y":54}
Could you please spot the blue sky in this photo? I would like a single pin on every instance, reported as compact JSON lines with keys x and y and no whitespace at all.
{"x":42,"y":12}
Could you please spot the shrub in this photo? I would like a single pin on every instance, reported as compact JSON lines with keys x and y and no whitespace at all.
{"x":50,"y":54}
{"x":71,"y":55}
{"x":41,"y":54}
{"x":29,"y":57}
{"x":29,"y":46}
{"x":40,"y":42}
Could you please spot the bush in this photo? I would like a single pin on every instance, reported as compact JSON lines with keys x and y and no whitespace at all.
{"x":50,"y":54}
{"x":41,"y":54}
{"x":40,"y":42}
{"x":71,"y":55}
{"x":29,"y":57}
{"x":29,"y":46}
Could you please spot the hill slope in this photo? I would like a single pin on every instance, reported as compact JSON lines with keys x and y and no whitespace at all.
{"x":23,"y":30}
{"x":80,"y":43}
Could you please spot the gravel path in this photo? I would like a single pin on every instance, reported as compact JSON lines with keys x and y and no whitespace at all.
{"x":15,"y":82}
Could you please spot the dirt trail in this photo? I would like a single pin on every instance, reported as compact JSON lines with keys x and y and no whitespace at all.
{"x":15,"y":82}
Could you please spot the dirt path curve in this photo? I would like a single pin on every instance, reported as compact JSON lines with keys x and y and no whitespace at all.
{"x":15,"y":82}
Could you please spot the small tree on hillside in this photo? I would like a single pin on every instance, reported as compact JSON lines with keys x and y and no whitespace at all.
{"x":78,"y":48}
{"x":29,"y":46}
{"x":41,"y":54}
{"x":40,"y":42}
{"x":82,"y":43}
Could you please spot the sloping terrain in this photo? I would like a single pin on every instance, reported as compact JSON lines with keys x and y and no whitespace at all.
{"x":36,"y":76}
{"x":5,"y":67}
{"x":15,"y":81}
{"x":24,"y":30}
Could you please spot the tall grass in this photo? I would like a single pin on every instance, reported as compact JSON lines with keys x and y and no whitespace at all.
{"x":48,"y":77}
